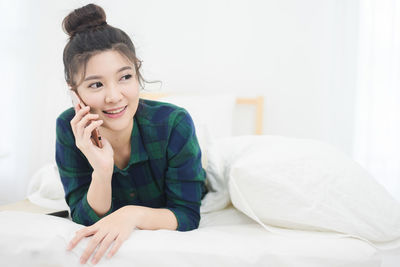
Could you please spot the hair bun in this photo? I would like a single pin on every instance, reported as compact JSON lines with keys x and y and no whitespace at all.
{"x":83,"y":18}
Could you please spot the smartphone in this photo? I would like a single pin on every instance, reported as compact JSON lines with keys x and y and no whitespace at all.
{"x":61,"y":213}
{"x":95,"y":133}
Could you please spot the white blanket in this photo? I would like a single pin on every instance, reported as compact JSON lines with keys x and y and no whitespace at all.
{"x":225,"y":238}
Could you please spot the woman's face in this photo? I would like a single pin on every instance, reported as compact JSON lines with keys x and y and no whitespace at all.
{"x":110,"y":83}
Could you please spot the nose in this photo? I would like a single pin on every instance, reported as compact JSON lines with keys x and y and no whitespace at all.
{"x":113,"y":95}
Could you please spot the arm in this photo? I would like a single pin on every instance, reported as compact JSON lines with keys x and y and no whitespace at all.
{"x":99,"y":193}
{"x":153,"y":219}
{"x":77,"y":178}
{"x":184,"y":178}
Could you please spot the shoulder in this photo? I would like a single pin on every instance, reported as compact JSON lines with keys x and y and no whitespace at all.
{"x":155,"y":113}
{"x":161,"y":124}
{"x":63,"y":126}
{"x":66,"y":116}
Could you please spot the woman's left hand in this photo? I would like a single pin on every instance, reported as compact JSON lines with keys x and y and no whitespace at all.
{"x":116,"y":227}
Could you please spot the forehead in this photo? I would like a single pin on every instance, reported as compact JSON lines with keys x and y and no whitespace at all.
{"x":106,"y":62}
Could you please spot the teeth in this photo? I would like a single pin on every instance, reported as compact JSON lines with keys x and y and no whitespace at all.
{"x":115,"y":111}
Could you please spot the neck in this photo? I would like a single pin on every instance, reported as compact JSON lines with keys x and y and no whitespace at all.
{"x":119,"y":140}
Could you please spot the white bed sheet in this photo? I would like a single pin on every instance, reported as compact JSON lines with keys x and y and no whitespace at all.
{"x":224,"y":238}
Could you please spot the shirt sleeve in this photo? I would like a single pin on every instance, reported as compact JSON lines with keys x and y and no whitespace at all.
{"x":76,"y":175}
{"x":184,"y":176}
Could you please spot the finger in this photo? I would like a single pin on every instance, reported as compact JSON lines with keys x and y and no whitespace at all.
{"x":78,"y":116}
{"x":81,"y":125}
{"x":105,"y":244}
{"x":87,"y":231}
{"x":81,"y":105}
{"x":85,"y":119}
{"x":89,"y":129}
{"x":80,"y":112}
{"x":117,"y":244}
{"x":96,"y":239}
{"x":77,"y":107}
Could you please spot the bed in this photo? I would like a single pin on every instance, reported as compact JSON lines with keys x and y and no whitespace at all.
{"x":234,"y":228}
{"x":224,"y":238}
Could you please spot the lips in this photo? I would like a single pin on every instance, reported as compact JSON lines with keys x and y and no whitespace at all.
{"x":109,"y":111}
{"x":117,"y":114}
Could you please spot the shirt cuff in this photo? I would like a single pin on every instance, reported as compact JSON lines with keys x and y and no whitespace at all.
{"x":90,"y":214}
{"x":185,"y":223}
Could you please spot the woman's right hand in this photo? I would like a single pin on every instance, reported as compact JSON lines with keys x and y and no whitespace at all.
{"x":83,"y":123}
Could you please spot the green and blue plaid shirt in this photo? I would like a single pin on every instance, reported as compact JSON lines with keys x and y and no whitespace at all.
{"x":164,"y":170}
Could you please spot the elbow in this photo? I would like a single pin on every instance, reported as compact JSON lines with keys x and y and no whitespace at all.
{"x":193,"y":225}
{"x":194,"y":222}
{"x":79,"y":220}
{"x":188,"y":219}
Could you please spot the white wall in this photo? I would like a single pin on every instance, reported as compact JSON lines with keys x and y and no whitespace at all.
{"x":301,"y":55}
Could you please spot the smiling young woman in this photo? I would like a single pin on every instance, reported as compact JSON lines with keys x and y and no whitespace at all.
{"x":148,"y":173}
{"x":111,"y":89}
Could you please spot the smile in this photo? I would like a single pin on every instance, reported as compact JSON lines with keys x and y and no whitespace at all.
{"x":116,"y":113}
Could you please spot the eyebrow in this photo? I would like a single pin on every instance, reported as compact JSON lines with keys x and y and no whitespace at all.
{"x":96,"y":77}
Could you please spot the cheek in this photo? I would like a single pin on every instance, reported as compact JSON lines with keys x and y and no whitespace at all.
{"x":133,"y":94}
{"x":95,"y":102}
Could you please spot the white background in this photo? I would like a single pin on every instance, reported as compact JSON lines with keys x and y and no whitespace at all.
{"x":300,"y":55}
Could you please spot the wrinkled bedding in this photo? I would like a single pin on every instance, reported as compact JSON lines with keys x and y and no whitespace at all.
{"x":225,"y":238}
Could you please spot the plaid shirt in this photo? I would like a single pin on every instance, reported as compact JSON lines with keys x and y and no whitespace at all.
{"x":164,"y":170}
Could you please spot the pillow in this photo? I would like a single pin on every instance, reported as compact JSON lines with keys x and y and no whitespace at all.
{"x":306,"y":184}
{"x":46,"y":190}
{"x":217,"y":197}
{"x":220,"y":153}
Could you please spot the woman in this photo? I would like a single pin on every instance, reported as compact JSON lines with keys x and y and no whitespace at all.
{"x":148,"y":172}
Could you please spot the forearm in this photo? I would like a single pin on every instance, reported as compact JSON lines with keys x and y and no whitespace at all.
{"x":153,"y":219}
{"x":99,"y":193}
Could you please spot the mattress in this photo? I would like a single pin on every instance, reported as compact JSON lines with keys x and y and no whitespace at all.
{"x":224,"y":238}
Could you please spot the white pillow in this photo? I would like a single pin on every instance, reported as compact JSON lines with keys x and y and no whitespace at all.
{"x":46,"y":182}
{"x":217,"y":197}
{"x":221,"y":154}
{"x":45,"y":189}
{"x":308,"y":185}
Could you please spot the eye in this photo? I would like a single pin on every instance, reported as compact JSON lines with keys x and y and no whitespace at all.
{"x":126,"y":77}
{"x":98,"y":84}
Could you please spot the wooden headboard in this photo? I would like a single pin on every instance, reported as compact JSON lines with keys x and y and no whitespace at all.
{"x":257,"y":102}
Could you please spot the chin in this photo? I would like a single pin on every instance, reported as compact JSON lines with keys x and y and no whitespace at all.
{"x":119,"y":125}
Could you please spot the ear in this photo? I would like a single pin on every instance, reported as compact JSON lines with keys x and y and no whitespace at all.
{"x":138,"y":63}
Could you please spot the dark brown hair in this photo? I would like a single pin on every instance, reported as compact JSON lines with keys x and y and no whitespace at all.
{"x":90,"y":34}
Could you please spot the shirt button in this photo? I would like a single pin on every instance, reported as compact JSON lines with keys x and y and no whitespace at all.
{"x":132,"y":194}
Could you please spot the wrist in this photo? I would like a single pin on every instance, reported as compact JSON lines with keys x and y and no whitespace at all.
{"x":103,"y":173}
{"x":134,"y":214}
